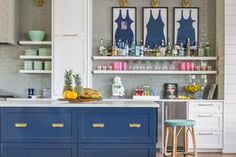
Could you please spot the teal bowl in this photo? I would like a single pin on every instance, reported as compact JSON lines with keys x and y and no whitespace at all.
{"x":36,"y":35}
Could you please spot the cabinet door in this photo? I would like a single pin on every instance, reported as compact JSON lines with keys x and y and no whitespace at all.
{"x":70,"y":17}
{"x":39,"y":150}
{"x":117,"y":150}
{"x":69,"y":53}
{"x":113,"y":125}
{"x":38,"y":125}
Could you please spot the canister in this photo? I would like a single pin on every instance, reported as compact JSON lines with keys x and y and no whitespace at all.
{"x":38,"y":65}
{"x":28,"y":65}
{"x":47,"y":65}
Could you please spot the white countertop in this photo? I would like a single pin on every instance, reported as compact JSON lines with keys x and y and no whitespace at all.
{"x":55,"y":103}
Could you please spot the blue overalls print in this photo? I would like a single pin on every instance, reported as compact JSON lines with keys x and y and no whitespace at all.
{"x":186,"y":30}
{"x":124,"y":31}
{"x":155,"y":31}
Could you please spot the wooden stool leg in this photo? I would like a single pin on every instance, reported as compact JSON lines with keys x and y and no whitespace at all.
{"x":166,"y":140}
{"x":174,"y":145}
{"x":194,"y":142}
{"x":185,"y":140}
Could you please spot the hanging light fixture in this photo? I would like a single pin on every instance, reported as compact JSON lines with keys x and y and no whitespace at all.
{"x":39,"y":3}
{"x":123,"y":3}
{"x":185,"y":3}
{"x":154,"y":3}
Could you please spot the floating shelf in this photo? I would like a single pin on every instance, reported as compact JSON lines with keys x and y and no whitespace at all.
{"x":152,"y":58}
{"x":35,"y":71}
{"x":156,"y":72}
{"x":35,"y":42}
{"x":35,"y":57}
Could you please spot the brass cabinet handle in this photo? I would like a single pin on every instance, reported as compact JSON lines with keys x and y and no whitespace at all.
{"x":70,"y":35}
{"x":205,"y":133}
{"x":57,"y":125}
{"x":205,"y":115}
{"x":20,"y":125}
{"x":135,"y":125}
{"x":207,"y":104}
{"x":98,"y":125}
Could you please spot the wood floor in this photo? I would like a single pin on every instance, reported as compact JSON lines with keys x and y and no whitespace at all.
{"x":213,"y":155}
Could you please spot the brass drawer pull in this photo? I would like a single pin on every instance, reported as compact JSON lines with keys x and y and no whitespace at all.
{"x":57,"y":125}
{"x":206,"y":115}
{"x":206,"y":104}
{"x":135,"y":125}
{"x":98,"y":125}
{"x":70,"y":35}
{"x":20,"y":125}
{"x":206,"y":133}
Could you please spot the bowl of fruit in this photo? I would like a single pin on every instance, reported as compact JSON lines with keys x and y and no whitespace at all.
{"x":78,"y":93}
{"x":192,"y":90}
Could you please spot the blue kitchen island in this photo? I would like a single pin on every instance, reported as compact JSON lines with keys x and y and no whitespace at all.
{"x":60,"y":129}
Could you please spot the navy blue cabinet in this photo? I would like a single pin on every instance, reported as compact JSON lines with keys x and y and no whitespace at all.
{"x":117,"y":150}
{"x":78,"y":132}
{"x":117,"y":125}
{"x":38,"y":125}
{"x":39,"y":150}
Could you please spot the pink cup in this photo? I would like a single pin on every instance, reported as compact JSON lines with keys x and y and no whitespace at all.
{"x":120,"y":65}
{"x":192,"y":66}
{"x":124,"y":66}
{"x":183,"y":66}
{"x":115,"y":65}
{"x":188,"y":66}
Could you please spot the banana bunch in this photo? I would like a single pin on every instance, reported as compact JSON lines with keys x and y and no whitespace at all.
{"x":192,"y":88}
{"x":91,"y":94}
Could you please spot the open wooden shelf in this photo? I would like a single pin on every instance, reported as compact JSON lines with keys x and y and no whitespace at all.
{"x":156,"y":72}
{"x":36,"y":57}
{"x":153,"y":58}
{"x":35,"y":42}
{"x":35,"y":71}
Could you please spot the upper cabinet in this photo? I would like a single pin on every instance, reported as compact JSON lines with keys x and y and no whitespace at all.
{"x":9,"y":11}
{"x":70,"y":18}
{"x":70,"y":41}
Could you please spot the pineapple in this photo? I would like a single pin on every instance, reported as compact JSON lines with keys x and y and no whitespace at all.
{"x":68,"y":81}
{"x":78,"y":88}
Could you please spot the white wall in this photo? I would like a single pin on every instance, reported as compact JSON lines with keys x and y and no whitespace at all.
{"x":230,"y":77}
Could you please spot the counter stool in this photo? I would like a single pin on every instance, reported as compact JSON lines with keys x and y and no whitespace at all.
{"x":185,"y":126}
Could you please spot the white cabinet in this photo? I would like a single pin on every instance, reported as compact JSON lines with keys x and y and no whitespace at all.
{"x":209,"y":123}
{"x":70,"y":41}
{"x":70,"y":18}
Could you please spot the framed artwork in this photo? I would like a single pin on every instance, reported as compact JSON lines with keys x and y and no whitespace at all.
{"x":155,"y":26}
{"x":170,"y":90}
{"x":186,"y":25}
{"x":124,"y":25}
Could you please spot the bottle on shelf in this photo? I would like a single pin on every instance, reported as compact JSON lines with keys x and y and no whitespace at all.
{"x":169,"y":49}
{"x":132,"y":49}
{"x":137,"y":50}
{"x":188,"y":48}
{"x":102,"y":48}
{"x":175,"y":51}
{"x":163,"y":48}
{"x":207,"y":49}
{"x":126,"y":48}
{"x":123,"y":49}
{"x":201,"y":51}
{"x":141,"y":49}
{"x":119,"y":47}
{"x":114,"y":50}
{"x":181,"y":50}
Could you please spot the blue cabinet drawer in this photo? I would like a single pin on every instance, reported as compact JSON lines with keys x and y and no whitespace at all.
{"x":117,"y":150}
{"x":117,"y":125}
{"x":38,"y":125}
{"x":39,"y":150}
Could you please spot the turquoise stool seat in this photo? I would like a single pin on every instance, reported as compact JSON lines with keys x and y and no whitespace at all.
{"x":180,"y":122}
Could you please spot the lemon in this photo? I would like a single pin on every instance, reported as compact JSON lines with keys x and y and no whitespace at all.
{"x":65,"y":94}
{"x":71,"y":95}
